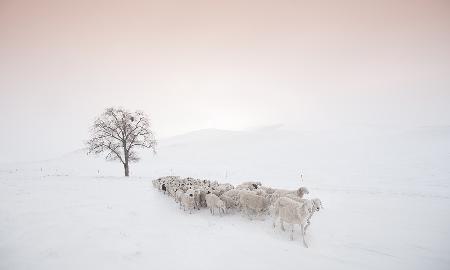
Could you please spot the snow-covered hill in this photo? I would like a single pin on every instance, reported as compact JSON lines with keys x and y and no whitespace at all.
{"x":355,"y":157}
{"x":386,"y":197}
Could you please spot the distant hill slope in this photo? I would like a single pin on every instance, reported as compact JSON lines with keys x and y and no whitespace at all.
{"x":354,"y":157}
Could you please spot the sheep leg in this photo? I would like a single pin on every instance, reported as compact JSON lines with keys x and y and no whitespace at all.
{"x":282,"y":225}
{"x":274,"y":224}
{"x":307,"y":225}
{"x":303,"y":235}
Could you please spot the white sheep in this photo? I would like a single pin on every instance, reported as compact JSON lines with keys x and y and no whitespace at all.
{"x":249,"y":186}
{"x":231,"y":198}
{"x":230,"y":203}
{"x":188,"y":200}
{"x":213,"y":201}
{"x":179,"y":196}
{"x":300,"y":192}
{"x":198,"y":197}
{"x":267,"y":190}
{"x":292,"y":212}
{"x":316,"y":206}
{"x":250,"y":197}
{"x":233,"y":193}
{"x":202,"y":196}
{"x":172,"y":190}
{"x":220,"y":189}
{"x":251,"y":202}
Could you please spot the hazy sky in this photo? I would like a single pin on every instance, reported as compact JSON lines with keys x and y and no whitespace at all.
{"x":218,"y":64}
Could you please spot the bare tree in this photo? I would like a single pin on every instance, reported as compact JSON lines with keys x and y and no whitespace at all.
{"x":118,"y":132}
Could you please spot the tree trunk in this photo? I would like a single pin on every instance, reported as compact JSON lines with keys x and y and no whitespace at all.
{"x":127,"y":169}
{"x":125,"y":164}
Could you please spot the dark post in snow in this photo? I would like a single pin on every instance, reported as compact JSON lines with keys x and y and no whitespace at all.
{"x":118,"y":133}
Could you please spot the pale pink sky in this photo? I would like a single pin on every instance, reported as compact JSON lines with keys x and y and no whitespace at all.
{"x":218,"y":64}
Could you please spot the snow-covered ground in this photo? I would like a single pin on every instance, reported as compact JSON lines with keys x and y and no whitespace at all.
{"x":386,"y":197}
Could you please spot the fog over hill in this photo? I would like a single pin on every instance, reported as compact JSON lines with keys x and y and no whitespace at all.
{"x":356,"y":156}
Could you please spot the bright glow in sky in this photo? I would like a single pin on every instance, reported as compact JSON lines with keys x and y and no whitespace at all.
{"x":218,"y":64}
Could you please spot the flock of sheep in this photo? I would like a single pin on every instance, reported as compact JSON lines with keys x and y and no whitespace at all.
{"x":252,"y":198}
